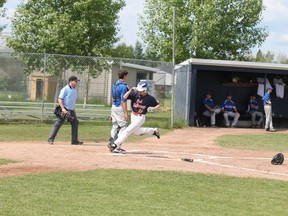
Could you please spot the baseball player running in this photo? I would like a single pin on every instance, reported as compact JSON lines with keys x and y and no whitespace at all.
{"x":141,"y":103}
{"x":119,"y":113}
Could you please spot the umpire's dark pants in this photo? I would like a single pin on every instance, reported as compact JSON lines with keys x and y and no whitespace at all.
{"x":74,"y":128}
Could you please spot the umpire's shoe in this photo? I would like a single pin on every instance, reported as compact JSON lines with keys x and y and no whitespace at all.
{"x":156,"y":133}
{"x":77,"y":143}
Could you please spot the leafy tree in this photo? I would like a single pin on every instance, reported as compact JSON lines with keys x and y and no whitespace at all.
{"x":151,"y":54}
{"x":269,"y":57}
{"x":128,"y":51}
{"x":138,"y":52}
{"x":74,"y":27}
{"x":214,"y":29}
{"x":259,"y":56}
{"x":264,"y":57}
{"x":2,"y":13}
{"x":122,"y":51}
{"x":282,"y":58}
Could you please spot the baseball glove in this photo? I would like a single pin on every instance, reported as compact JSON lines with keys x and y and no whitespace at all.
{"x":68,"y":117}
{"x":278,"y":159}
{"x":58,"y":112}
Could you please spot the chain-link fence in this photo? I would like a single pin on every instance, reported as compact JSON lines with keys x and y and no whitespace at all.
{"x":30,"y":83}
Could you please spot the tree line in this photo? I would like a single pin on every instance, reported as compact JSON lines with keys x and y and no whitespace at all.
{"x":210,"y":29}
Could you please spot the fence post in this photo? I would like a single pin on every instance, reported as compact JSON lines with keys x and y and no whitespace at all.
{"x":43,"y":90}
{"x":173,"y":65}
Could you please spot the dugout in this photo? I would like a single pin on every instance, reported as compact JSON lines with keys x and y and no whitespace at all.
{"x":218,"y":76}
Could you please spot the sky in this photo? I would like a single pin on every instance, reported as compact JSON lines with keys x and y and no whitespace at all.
{"x":275,"y":18}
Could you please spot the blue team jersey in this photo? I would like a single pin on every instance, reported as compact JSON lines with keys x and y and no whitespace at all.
{"x":69,"y":97}
{"x":228,"y":106}
{"x":266,"y":98}
{"x":119,"y":89}
{"x":208,"y":102}
{"x":140,"y":104}
{"x":255,"y":103}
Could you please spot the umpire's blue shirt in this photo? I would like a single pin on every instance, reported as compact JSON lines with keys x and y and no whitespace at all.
{"x":69,"y":97}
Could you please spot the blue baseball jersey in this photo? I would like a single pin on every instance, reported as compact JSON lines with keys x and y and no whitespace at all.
{"x":228,"y":105}
{"x":255,"y":103}
{"x":208,"y":102}
{"x":69,"y":97}
{"x":140,"y":104}
{"x":266,"y":98}
{"x":119,"y":89}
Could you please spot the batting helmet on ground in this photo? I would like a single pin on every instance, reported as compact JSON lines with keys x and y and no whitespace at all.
{"x":278,"y":159}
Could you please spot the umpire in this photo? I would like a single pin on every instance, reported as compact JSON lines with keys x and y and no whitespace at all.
{"x":67,"y":100}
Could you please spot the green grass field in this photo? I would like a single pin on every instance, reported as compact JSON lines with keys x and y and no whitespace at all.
{"x":132,"y":192}
{"x":39,"y":132}
{"x":4,"y":161}
{"x":135,"y":192}
{"x":266,"y":142}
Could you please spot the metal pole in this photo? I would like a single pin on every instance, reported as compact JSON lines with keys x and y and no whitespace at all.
{"x":173,"y":68}
{"x":43,"y":90}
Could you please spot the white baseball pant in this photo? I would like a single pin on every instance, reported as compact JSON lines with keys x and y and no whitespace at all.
{"x":254,"y":114}
{"x":212,"y":115}
{"x":268,"y":114}
{"x":231,"y":114}
{"x":135,"y":128}
{"x":118,"y":120}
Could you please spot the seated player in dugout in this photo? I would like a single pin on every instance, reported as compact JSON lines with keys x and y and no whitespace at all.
{"x":210,"y":109}
{"x":254,"y":111}
{"x":229,"y":109}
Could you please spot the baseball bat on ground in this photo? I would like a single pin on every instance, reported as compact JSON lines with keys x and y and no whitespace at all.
{"x":187,"y":159}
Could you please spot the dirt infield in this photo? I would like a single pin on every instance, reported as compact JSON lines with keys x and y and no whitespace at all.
{"x":149,"y":154}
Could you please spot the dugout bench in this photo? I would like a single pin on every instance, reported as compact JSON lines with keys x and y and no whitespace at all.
{"x":244,"y":120}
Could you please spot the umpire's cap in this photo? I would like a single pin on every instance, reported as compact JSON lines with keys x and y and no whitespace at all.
{"x":73,"y":78}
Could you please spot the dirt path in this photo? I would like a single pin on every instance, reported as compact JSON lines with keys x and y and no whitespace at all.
{"x":149,"y":154}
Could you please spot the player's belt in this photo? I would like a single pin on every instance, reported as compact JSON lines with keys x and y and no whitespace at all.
{"x":137,"y":114}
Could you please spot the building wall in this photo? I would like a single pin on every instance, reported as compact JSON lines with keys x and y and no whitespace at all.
{"x":47,"y":88}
